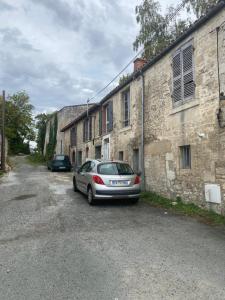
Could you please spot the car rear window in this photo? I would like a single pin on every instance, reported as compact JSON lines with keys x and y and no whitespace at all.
{"x":60,"y":157}
{"x":115,"y":169}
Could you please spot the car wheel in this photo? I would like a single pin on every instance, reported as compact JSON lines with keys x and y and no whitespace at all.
{"x":75,"y":185}
{"x":90,"y":196}
{"x":135,"y":201}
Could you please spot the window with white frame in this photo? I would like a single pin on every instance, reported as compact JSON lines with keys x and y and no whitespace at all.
{"x":126,"y":108}
{"x":183,"y":74}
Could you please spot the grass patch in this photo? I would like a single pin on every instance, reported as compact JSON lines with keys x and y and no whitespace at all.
{"x":36,"y":159}
{"x":189,"y":209}
{"x":1,"y":173}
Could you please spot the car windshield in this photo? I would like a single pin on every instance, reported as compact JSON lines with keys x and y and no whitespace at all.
{"x":59,"y":157}
{"x":115,"y":169}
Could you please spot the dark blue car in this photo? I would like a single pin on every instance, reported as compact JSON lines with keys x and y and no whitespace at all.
{"x":59,"y":163}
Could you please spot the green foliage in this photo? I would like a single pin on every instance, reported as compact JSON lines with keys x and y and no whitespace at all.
{"x":19,"y":122}
{"x":123,"y":78}
{"x":36,"y":159}
{"x":155,"y":33}
{"x":41,"y":122}
{"x":200,"y":7}
{"x":190,"y":209}
{"x":50,"y":149}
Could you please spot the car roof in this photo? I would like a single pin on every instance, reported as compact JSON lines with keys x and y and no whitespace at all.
{"x":98,"y":161}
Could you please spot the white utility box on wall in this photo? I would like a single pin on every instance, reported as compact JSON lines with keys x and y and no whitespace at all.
{"x":212,"y":193}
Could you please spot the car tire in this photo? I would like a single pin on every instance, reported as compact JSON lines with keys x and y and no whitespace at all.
{"x":75,"y":185}
{"x":135,"y":201}
{"x":90,"y":196}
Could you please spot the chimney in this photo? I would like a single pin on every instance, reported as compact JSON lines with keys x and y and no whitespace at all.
{"x":139,"y":63}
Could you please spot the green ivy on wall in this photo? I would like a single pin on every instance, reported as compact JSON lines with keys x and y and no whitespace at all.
{"x":50,"y":149}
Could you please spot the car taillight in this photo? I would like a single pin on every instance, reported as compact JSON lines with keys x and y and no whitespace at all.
{"x":97,"y":179}
{"x":137,"y":180}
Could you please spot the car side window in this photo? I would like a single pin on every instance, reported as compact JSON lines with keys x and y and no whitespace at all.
{"x":85,"y":167}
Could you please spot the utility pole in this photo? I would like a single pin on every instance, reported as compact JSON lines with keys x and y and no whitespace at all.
{"x":3,"y":133}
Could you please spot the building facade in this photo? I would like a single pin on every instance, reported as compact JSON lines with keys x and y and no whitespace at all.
{"x":167,"y":119}
{"x":64,"y":116}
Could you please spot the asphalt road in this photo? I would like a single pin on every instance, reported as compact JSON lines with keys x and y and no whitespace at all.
{"x":53,"y":245}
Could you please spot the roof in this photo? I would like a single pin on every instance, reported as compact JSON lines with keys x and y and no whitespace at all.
{"x":76,"y":105}
{"x":196,"y":25}
{"x":91,"y":109}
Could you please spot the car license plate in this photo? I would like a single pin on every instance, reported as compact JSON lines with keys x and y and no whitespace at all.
{"x":62,"y":167}
{"x":119,"y":182}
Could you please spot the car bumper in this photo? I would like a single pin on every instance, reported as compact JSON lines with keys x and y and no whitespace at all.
{"x":117,"y":194}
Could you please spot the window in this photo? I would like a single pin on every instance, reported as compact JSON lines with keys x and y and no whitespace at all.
{"x":73,"y":136}
{"x":106,"y":118}
{"x":87,"y":167}
{"x":98,"y":152}
{"x":121,"y":155}
{"x":183,"y":74}
{"x":115,"y":169}
{"x":87,"y":129}
{"x":126,"y":108}
{"x":185,"y":155}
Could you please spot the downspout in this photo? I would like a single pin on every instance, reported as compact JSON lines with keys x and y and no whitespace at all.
{"x":142,"y":132}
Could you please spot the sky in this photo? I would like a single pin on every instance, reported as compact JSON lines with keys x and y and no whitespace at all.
{"x":62,"y":51}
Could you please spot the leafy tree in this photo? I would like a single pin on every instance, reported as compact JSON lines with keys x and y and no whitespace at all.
{"x":200,"y":7}
{"x":155,"y":33}
{"x":19,"y":122}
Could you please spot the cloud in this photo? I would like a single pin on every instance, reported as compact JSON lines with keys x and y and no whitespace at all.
{"x":65,"y":13}
{"x":5,"y":6}
{"x":61,"y":52}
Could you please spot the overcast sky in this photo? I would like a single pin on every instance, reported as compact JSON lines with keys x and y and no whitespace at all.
{"x":62,"y":51}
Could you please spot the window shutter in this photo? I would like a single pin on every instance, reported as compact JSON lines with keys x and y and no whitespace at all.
{"x":177,"y":86}
{"x":75,"y":136}
{"x":90,"y":128}
{"x":188,"y":76}
{"x":110,"y":115}
{"x":100,"y":121}
{"x":84,"y":131}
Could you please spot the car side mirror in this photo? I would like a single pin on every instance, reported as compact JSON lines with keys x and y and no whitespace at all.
{"x":77,"y":169}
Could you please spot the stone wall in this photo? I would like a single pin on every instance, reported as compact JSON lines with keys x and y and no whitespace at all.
{"x":65,"y":116}
{"x":193,"y":123}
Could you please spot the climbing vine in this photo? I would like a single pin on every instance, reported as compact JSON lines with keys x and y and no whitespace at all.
{"x":50,"y":149}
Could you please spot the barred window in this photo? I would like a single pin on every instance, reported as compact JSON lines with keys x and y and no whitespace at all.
{"x":183,"y":74}
{"x":185,"y":157}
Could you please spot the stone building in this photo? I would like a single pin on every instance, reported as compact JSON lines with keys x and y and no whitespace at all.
{"x":168,"y":118}
{"x":64,"y":116}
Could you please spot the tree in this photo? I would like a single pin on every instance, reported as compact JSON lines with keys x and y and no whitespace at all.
{"x":19,"y":122}
{"x":155,"y":31}
{"x":200,"y":7}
